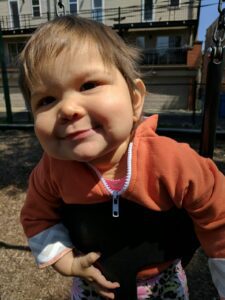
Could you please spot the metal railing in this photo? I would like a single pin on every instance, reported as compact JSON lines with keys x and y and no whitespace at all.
{"x":164,"y":56}
{"x":109,"y":16}
{"x":24,"y":21}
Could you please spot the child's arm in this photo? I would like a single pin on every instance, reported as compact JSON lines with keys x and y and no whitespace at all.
{"x":83,"y":266}
{"x":54,"y":247}
{"x":194,"y":183}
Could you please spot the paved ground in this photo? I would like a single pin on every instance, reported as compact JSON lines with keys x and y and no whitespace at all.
{"x":17,"y":101}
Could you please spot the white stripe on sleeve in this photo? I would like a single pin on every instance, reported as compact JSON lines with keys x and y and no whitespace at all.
{"x":217,"y":269}
{"x":49,"y":245}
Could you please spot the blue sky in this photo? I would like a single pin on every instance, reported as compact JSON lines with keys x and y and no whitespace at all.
{"x":208,"y":14}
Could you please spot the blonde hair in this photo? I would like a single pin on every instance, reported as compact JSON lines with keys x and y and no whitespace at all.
{"x":65,"y":33}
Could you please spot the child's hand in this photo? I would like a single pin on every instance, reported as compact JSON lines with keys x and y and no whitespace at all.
{"x":83,"y":266}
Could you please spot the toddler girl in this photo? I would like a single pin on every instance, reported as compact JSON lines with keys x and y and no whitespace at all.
{"x":108,"y":189}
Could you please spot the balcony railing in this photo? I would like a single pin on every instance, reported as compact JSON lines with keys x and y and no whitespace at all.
{"x":24,"y":21}
{"x":110,"y":16}
{"x":163,"y":56}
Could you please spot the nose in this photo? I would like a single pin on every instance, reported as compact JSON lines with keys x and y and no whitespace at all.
{"x":70,"y":108}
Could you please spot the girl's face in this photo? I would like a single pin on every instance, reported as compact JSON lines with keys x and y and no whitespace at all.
{"x":83,"y":110}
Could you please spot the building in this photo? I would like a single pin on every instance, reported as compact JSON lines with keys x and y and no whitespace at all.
{"x":164,"y":30}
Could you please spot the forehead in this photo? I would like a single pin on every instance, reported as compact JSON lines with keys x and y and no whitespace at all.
{"x":70,"y":64}
{"x":66,"y":50}
{"x":79,"y":58}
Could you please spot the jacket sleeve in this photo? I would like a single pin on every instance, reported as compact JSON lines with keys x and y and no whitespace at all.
{"x":40,"y":217}
{"x":50,"y":245}
{"x":204,"y":199}
{"x":181,"y":176}
{"x":194,"y":183}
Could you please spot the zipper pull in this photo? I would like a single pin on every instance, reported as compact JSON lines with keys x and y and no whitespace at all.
{"x":115,"y":204}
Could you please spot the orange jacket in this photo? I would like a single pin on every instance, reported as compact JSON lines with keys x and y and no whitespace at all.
{"x":164,"y":173}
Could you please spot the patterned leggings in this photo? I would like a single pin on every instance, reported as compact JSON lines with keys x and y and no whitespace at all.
{"x":170,"y":284}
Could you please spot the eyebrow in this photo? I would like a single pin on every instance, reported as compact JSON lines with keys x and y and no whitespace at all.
{"x":42,"y":89}
{"x":90,"y":72}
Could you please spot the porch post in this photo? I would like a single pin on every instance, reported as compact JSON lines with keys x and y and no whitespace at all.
{"x":5,"y":81}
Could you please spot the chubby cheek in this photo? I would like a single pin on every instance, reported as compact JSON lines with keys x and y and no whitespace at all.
{"x":121,"y":118}
{"x":43,"y":129}
{"x":116,"y":110}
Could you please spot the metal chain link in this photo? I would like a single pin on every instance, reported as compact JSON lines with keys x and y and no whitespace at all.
{"x":216,"y":52}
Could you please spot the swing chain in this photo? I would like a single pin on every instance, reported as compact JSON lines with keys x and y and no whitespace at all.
{"x":216,"y":52}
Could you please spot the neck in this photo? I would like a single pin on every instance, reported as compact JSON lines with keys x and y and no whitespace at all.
{"x":114,"y":165}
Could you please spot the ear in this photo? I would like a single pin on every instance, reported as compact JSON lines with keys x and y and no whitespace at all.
{"x":138,"y":98}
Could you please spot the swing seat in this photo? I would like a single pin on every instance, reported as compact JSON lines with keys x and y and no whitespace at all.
{"x":137,"y":239}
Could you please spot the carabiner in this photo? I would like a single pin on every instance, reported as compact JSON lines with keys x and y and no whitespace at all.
{"x":61,"y":6}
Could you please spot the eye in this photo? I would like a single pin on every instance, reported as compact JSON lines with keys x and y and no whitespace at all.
{"x":89,"y":85}
{"x":46,"y":101}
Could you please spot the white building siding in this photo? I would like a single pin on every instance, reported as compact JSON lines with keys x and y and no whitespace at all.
{"x":4,"y":8}
{"x":167,"y":93}
{"x":131,"y":10}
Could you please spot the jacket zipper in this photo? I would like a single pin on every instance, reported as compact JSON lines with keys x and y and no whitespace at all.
{"x":116,"y":194}
{"x":115,"y":204}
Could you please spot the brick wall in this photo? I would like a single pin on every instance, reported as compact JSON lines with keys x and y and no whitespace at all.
{"x":194,"y":55}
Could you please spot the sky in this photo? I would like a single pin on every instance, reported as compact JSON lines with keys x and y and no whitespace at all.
{"x":208,"y":14}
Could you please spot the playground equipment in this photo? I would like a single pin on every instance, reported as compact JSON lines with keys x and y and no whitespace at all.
{"x":213,"y":85}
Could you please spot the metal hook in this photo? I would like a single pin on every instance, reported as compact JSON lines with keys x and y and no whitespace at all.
{"x":220,"y":6}
{"x":221,"y":19}
{"x":218,"y":35}
{"x":61,"y":6}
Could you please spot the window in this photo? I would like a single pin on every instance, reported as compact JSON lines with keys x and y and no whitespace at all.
{"x":174,"y":3}
{"x":169,"y":51}
{"x":15,"y":18}
{"x":73,"y":7}
{"x":14,"y":49}
{"x":97,"y":10}
{"x":173,"y":41}
{"x":162,"y":42}
{"x":36,"y":8}
{"x":148,"y":10}
{"x":140,"y":42}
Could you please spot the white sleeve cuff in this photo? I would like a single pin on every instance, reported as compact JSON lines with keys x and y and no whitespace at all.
{"x":217,"y":269}
{"x":51,"y":244}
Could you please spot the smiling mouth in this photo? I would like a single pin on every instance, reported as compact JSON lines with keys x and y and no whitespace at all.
{"x":82,"y":134}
